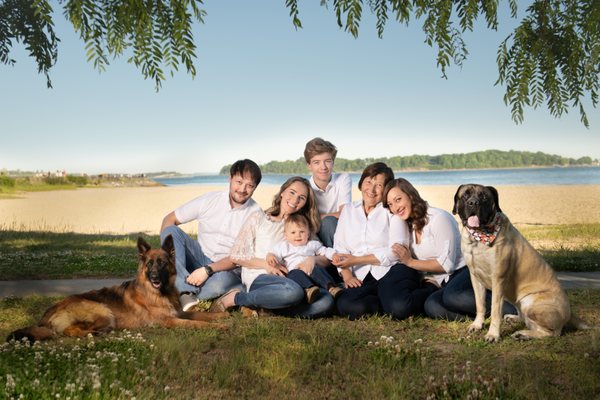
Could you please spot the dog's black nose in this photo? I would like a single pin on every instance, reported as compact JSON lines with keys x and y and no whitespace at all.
{"x":472,"y":202}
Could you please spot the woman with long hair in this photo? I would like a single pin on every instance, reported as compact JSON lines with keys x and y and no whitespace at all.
{"x":267,"y":286}
{"x":434,"y":251}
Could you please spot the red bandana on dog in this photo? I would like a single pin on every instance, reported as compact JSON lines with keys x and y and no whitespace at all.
{"x":486,"y":235}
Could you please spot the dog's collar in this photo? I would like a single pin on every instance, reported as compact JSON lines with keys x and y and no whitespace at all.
{"x":487,"y":234}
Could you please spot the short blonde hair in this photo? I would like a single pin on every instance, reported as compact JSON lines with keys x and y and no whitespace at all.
{"x":318,"y":146}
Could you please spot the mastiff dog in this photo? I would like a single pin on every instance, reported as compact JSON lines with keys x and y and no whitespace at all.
{"x":499,"y":258}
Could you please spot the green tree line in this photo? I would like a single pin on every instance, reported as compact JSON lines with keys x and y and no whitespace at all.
{"x":479,"y":159}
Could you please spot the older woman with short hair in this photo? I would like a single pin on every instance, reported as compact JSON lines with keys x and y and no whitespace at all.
{"x":375,"y":282}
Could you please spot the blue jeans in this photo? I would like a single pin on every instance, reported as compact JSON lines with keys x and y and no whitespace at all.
{"x":283,"y":296}
{"x":327,"y":231}
{"x":455,"y":301}
{"x":318,"y":277}
{"x":189,"y":257}
{"x":399,"y":293}
{"x":326,"y":234}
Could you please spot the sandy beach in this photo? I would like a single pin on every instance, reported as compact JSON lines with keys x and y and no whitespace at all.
{"x":141,"y":209}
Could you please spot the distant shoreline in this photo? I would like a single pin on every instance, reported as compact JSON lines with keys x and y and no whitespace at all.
{"x":189,"y":175}
{"x":488,"y":176}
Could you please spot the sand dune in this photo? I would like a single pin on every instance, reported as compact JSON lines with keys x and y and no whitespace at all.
{"x":141,"y":209}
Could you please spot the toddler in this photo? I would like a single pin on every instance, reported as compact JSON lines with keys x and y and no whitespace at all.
{"x":292,"y":251}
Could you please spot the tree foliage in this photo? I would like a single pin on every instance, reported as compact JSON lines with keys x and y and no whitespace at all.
{"x":552,"y":57}
{"x":478,"y":159}
{"x":157,"y":34}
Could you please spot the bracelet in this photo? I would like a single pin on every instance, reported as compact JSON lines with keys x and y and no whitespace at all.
{"x":209,"y":270}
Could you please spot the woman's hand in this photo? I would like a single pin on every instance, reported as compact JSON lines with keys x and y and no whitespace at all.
{"x":342,"y":260}
{"x":278,"y":270}
{"x":350,"y":281}
{"x":272,"y":260}
{"x":403,"y":253}
{"x":353,"y":282}
{"x":307,"y":265}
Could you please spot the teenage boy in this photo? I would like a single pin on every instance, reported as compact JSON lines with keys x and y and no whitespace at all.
{"x":204,"y":270}
{"x":332,"y":191}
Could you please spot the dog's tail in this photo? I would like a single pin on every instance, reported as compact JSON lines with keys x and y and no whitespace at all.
{"x":32,"y":333}
{"x":577,"y":323}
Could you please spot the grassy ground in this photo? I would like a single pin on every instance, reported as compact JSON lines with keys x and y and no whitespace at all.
{"x":13,"y":187}
{"x":275,"y":357}
{"x":44,"y":255}
{"x":280,"y":358}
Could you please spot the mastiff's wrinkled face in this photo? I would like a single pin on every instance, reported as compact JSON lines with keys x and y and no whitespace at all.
{"x":476,"y":205}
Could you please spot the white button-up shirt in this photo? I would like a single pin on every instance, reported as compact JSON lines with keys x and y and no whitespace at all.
{"x":337,"y":193}
{"x":360,"y":234}
{"x":440,"y":241}
{"x":218,"y":223}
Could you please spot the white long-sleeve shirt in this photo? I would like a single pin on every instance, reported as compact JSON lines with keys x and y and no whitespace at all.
{"x":360,"y":234}
{"x":440,"y":241}
{"x":291,"y":256}
{"x":337,"y":193}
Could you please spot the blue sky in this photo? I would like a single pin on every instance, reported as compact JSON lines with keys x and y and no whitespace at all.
{"x":263,"y":90}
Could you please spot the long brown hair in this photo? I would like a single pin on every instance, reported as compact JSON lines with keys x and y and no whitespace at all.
{"x":310,"y":208}
{"x":418,"y":215}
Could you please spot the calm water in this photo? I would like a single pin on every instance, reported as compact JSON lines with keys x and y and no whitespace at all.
{"x":517,"y":176}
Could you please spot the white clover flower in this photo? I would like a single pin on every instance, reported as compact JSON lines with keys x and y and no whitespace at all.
{"x":10,"y":383}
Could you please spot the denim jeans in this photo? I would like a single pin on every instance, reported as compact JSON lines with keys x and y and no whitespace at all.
{"x":283,"y":296}
{"x":189,"y":257}
{"x":455,"y":301}
{"x":319,"y":277}
{"x":327,"y":231}
{"x":399,"y":293}
{"x":326,"y":234}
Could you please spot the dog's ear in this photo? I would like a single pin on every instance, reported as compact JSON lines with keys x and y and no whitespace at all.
{"x":142,"y":246}
{"x":495,"y":195}
{"x":168,"y":246}
{"x":455,"y":208}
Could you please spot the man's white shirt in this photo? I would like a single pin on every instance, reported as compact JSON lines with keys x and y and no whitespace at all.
{"x":218,"y":223}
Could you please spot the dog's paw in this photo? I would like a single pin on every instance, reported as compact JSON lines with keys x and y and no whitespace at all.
{"x":221,"y":327}
{"x":512,"y":318}
{"x":474,"y":327}
{"x":492,"y":337}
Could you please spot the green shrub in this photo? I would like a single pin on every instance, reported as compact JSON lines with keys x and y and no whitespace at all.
{"x":55,"y":180}
{"x":78,"y":180}
{"x":7,"y":181}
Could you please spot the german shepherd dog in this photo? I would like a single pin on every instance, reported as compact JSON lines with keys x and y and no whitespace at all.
{"x":149,"y":299}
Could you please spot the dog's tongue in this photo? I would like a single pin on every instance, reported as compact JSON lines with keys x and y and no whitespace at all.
{"x":473,"y":221}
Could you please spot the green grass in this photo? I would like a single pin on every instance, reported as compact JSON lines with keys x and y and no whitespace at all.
{"x":11,"y":187}
{"x":280,"y":358}
{"x":46,"y":255}
{"x":277,"y":358}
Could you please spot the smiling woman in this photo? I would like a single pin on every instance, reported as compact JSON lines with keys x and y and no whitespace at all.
{"x":374,"y":279}
{"x":267,"y":287}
